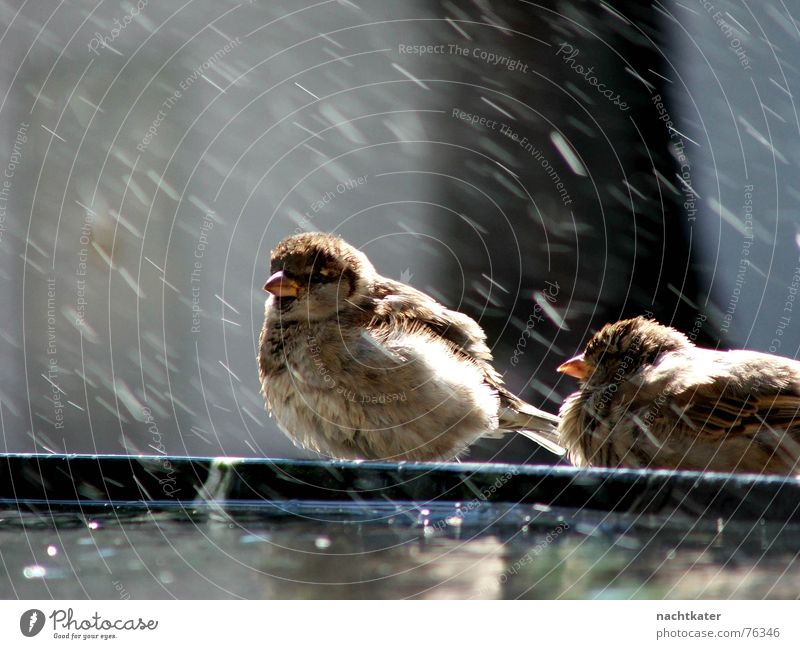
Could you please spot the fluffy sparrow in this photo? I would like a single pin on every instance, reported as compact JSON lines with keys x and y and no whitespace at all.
{"x":357,"y":366}
{"x":650,"y":398}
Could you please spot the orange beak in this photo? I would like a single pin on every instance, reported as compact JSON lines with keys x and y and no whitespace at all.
{"x":575,"y":367}
{"x":281,"y":286}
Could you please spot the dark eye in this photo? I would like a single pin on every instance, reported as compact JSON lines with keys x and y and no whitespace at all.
{"x":320,"y":277}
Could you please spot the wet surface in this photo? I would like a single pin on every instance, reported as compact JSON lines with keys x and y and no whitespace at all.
{"x":160,"y":527}
{"x":328,"y":550}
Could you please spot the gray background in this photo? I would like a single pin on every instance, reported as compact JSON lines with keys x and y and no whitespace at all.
{"x":313,"y":94}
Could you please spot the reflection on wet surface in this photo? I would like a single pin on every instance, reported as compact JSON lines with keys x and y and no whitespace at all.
{"x":394,"y":551}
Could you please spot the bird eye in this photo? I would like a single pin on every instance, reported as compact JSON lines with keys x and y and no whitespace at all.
{"x":320,"y":277}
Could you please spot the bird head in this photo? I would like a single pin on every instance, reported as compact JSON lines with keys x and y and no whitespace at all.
{"x":314,"y":275}
{"x":619,"y":349}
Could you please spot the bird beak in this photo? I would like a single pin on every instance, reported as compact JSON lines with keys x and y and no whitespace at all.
{"x":575,"y":367}
{"x":281,"y":286}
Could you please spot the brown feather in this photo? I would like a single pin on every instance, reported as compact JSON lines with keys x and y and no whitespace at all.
{"x":355,"y":365}
{"x":399,"y":305}
{"x":653,"y":399}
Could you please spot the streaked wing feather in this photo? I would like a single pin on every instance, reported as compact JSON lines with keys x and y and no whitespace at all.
{"x":550,"y":441}
{"x":716,"y":415}
{"x":398,"y":304}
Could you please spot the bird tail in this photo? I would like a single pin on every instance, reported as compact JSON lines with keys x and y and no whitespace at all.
{"x":535,"y":424}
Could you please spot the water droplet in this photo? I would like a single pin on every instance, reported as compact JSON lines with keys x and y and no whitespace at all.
{"x":34,"y":572}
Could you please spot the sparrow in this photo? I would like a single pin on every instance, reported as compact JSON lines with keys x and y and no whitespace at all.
{"x":354,"y":365}
{"x":650,"y":398}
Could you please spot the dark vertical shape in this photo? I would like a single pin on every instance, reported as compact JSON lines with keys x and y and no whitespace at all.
{"x":599,"y":239}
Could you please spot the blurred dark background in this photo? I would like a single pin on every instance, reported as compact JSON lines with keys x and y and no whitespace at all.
{"x":545,"y":168}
